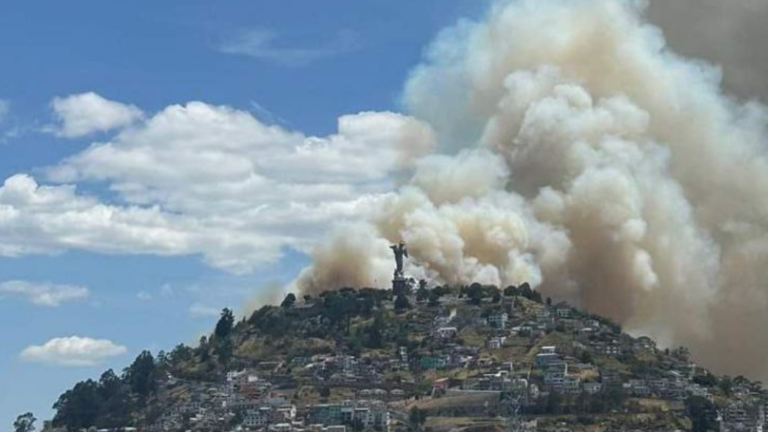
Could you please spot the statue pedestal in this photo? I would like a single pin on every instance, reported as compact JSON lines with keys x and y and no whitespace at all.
{"x":399,"y":285}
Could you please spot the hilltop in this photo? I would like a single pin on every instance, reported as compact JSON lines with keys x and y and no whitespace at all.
{"x":465,"y":358}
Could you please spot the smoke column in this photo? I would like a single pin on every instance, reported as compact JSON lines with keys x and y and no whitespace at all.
{"x":580,"y":154}
{"x":731,"y":34}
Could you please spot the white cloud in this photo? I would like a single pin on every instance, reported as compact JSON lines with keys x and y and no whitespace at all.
{"x":144,"y":296}
{"x":213,"y":181}
{"x":44,"y":294}
{"x":83,"y":114}
{"x":263,"y":44}
{"x":73,"y":351}
{"x":199,"y":310}
{"x":48,"y":219}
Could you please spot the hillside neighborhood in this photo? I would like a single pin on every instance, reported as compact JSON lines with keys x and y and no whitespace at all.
{"x":470,"y":358}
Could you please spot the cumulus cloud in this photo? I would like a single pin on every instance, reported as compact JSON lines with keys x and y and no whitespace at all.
{"x":73,"y":351}
{"x":83,"y":114}
{"x":581,"y":154}
{"x":263,"y":44}
{"x":214,"y":181}
{"x":43,"y":294}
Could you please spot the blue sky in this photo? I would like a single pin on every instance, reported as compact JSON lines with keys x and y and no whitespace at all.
{"x":294,"y":63}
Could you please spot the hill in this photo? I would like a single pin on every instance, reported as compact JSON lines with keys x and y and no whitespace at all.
{"x":466,"y":358}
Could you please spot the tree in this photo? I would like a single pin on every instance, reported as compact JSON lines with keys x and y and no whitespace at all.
{"x":434,"y":300}
{"x":289,"y":300}
{"x":181,"y":353}
{"x":702,"y":413}
{"x":115,"y":401}
{"x":496,"y":298}
{"x":202,"y":349}
{"x":706,"y":380}
{"x":141,"y":375}
{"x":536,"y":296}
{"x":226,"y":324}
{"x":726,"y":385}
{"x":525,"y":290}
{"x":416,"y":418}
{"x":358,"y":425}
{"x":79,"y":407}
{"x":475,"y":293}
{"x":422,"y":293}
{"x":25,"y":423}
{"x":402,"y":303}
{"x":375,"y":332}
{"x":440,"y":291}
{"x":493,"y":292}
{"x":511,"y":291}
{"x":224,"y":350}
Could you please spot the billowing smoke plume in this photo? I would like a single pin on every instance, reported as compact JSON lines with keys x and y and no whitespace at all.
{"x":731,"y":34}
{"x":578,"y":153}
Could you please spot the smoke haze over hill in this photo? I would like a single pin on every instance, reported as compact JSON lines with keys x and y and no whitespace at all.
{"x":581,"y":154}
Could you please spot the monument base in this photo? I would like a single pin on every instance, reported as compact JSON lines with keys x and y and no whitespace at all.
{"x":399,"y":286}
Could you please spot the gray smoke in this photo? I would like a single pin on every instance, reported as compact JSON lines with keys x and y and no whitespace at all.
{"x":580,"y":154}
{"x":731,"y":34}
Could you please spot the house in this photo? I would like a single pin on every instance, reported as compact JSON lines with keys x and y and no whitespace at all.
{"x":495,"y":342}
{"x":280,"y":427}
{"x":572,"y":385}
{"x":638,"y":388}
{"x":736,"y":413}
{"x":697,"y":390}
{"x":282,"y":414}
{"x":403,"y":353}
{"x":498,"y":320}
{"x":609,"y":349}
{"x":447,"y":332}
{"x":591,"y":387}
{"x":546,"y":356}
{"x":441,"y":385}
{"x":585,"y":333}
{"x":658,"y":386}
{"x":321,"y":428}
{"x":371,"y":414}
{"x":645,"y":343}
{"x":555,"y":375}
{"x":397,"y":393}
{"x":256,"y":419}
{"x":543,"y":314}
{"x":610,"y":377}
{"x":529,"y":329}
{"x":326,"y":414}
{"x":431,"y":362}
{"x":252,"y":387}
{"x":595,"y":324}
{"x":562,"y":310}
